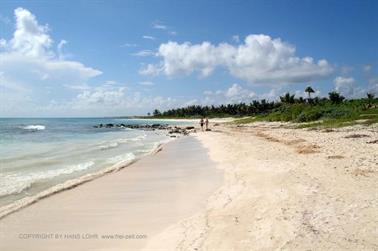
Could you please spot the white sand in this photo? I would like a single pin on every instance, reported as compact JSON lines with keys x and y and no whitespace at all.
{"x":142,"y":199}
{"x":285,"y":189}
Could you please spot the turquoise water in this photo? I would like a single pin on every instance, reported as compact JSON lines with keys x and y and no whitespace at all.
{"x":38,"y":154}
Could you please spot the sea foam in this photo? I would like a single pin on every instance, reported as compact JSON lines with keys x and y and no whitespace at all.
{"x":16,"y":183}
{"x":121,"y":158}
{"x":34,"y":127}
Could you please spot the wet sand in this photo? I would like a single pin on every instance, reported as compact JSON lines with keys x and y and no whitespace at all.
{"x":119,"y":211}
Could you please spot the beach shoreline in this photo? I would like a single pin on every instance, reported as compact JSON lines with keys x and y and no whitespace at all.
{"x":139,"y":200}
{"x":69,"y":184}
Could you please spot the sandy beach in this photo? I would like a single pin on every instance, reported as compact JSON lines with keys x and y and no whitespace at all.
{"x":286,"y":189}
{"x":262,"y":186}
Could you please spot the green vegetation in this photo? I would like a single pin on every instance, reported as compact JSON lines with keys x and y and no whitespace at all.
{"x":334,"y":111}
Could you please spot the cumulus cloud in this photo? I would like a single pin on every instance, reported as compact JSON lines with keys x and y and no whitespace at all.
{"x":151,"y":69}
{"x":30,"y":38}
{"x":30,"y":67}
{"x":259,"y":60}
{"x":115,"y":100}
{"x":104,"y":95}
{"x":234,"y":94}
{"x":238,"y":94}
{"x":347,"y":86}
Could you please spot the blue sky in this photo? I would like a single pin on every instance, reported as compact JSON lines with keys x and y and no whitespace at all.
{"x":110,"y":58}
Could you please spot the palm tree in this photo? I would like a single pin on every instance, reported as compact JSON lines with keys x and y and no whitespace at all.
{"x":335,"y":97}
{"x":370,"y":97}
{"x":287,"y":98}
{"x":309,"y":90}
{"x":156,"y":113}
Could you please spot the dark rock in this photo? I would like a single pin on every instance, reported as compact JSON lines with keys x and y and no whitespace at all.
{"x":153,"y":127}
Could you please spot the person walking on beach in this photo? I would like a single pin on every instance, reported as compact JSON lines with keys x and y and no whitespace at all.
{"x":207,"y":124}
{"x":201,"y":123}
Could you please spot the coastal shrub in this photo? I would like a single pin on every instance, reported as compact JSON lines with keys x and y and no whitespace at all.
{"x":339,"y":112}
{"x":311,"y":115}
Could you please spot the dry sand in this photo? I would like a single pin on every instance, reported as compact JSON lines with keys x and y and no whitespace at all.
{"x":142,"y":199}
{"x":285,"y":189}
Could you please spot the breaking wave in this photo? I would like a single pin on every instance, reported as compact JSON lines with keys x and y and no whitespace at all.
{"x":34,"y":127}
{"x":15,"y":183}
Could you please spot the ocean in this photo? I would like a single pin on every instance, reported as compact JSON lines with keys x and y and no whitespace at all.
{"x":39,"y":157}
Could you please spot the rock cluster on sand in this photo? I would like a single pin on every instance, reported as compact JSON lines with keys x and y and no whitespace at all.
{"x":171,"y":129}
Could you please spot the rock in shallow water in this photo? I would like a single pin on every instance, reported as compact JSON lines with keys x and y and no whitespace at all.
{"x":171,"y":130}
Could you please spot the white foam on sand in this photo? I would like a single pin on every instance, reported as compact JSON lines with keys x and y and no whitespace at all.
{"x":15,"y":183}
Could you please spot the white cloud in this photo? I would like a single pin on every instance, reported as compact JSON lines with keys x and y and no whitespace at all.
{"x":234,"y":94}
{"x":106,"y":100}
{"x":105,"y":95}
{"x":30,"y":38}
{"x":237,"y":93}
{"x":144,"y":53}
{"x":259,"y":60}
{"x":151,"y":69}
{"x":345,"y":85}
{"x":159,"y":25}
{"x":32,"y":72}
{"x":149,"y":37}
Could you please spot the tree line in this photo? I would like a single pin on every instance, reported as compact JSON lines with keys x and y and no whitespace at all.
{"x":263,"y":106}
